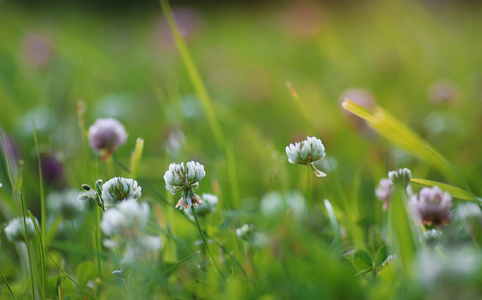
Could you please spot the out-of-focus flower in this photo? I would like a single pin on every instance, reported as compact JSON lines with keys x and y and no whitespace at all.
{"x":307,"y":152}
{"x":106,"y":135}
{"x":445,"y":274}
{"x":443,"y":92}
{"x":12,"y":148}
{"x":140,"y":246}
{"x":16,"y":228}
{"x":66,"y":203}
{"x":361,"y":97}
{"x":119,"y":189}
{"x":389,"y":260}
{"x":185,"y":178}
{"x":245,"y":232}
{"x":384,"y":192}
{"x":52,"y":170}
{"x":468,"y":211}
{"x":303,"y":19}
{"x":439,"y":123}
{"x":175,"y":140}
{"x":400,"y":177}
{"x":274,"y":203}
{"x":43,"y":118}
{"x":129,"y":220}
{"x":188,"y":21}
{"x":432,"y":206}
{"x":208,"y":206}
{"x":432,"y":236}
{"x":37,"y":49}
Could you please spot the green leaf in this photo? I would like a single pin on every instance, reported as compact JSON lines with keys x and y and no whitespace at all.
{"x":85,"y":271}
{"x":67,"y":288}
{"x":382,"y":255}
{"x":362,"y":262}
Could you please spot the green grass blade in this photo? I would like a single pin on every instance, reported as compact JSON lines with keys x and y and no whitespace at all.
{"x":165,"y":272}
{"x":136,"y":157}
{"x":297,"y":99}
{"x":8,"y":285}
{"x":86,"y":292}
{"x":401,"y":229}
{"x":193,"y":73}
{"x":454,"y":191}
{"x":41,"y":247}
{"x":402,"y":136}
{"x":43,"y":213}
{"x":334,"y":223}
{"x":233,"y":180}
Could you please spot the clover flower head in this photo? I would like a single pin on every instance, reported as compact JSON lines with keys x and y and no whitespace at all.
{"x":432,"y":236}
{"x":307,"y":152}
{"x":432,"y":206}
{"x":15,"y":229}
{"x":384,"y":191}
{"x":106,"y":135}
{"x":208,"y":206}
{"x":400,"y":177}
{"x":185,"y":178}
{"x":127,"y":218}
{"x":443,"y":92}
{"x":66,"y":203}
{"x":245,"y":232}
{"x":139,"y":247}
{"x":119,"y":189}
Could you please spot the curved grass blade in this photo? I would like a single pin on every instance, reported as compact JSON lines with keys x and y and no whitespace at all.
{"x":454,"y":191}
{"x":402,"y":136}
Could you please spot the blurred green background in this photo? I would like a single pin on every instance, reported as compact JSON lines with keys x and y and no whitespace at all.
{"x":420,"y":60}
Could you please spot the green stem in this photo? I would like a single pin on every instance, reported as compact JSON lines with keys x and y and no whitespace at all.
{"x":8,"y":285}
{"x":308,"y":187}
{"x":205,"y":241}
{"x":126,"y":281}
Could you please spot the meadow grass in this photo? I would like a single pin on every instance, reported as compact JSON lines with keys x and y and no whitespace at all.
{"x":232,"y":94}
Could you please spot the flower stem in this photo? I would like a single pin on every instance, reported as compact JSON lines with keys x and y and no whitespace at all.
{"x":205,"y":241}
{"x":308,"y":187}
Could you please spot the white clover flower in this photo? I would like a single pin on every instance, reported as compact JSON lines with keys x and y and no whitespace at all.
{"x":66,"y":203}
{"x":119,"y":189}
{"x":127,"y":219}
{"x":307,"y":152}
{"x":400,"y":177}
{"x":244,"y":232}
{"x":139,"y":247}
{"x":432,"y":206}
{"x":180,"y":178}
{"x":106,"y":135}
{"x":208,"y":206}
{"x":15,"y":229}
